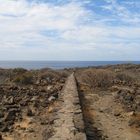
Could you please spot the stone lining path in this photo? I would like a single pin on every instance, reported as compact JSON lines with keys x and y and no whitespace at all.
{"x":69,"y":125}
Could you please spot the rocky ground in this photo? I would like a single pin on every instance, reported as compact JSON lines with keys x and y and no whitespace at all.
{"x":110,"y":101}
{"x":27,"y":109}
{"x":33,"y":105}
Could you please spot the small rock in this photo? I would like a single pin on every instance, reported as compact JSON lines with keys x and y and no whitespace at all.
{"x":55,"y":95}
{"x":51,"y":98}
{"x":128,"y":98}
{"x":38,"y":82}
{"x":10,"y":101}
{"x":4,"y":128}
{"x":34,"y":99}
{"x":1,"y":137}
{"x":1,"y":114}
{"x":30,"y":130}
{"x":11,"y":115}
{"x":117,"y":113}
{"x":43,"y":122}
{"x":22,"y":128}
{"x":131,"y":122}
{"x":32,"y":120}
{"x":131,"y":113}
{"x":29,"y":112}
{"x":101,"y":110}
{"x":49,"y":87}
{"x":137,"y":99}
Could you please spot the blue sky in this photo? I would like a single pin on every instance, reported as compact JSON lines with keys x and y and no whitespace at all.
{"x":70,"y":30}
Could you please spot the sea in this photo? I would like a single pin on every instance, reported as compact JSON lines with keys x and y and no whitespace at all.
{"x":59,"y":64}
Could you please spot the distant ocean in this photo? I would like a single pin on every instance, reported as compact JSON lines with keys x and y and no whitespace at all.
{"x":58,"y":64}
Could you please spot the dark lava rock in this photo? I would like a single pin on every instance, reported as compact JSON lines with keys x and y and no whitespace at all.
{"x":128,"y":98}
{"x":134,"y":122}
{"x":1,"y":114}
{"x":1,"y":137}
{"x":55,"y":95}
{"x":29,"y":112}
{"x":9,"y":100}
{"x":11,"y":115}
{"x":13,"y":88}
{"x":4,"y":128}
{"x":30,"y":130}
{"x":117,"y":113}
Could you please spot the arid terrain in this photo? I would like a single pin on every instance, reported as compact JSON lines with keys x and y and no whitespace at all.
{"x":100,"y":103}
{"x":27,"y":103}
{"x":110,"y":98}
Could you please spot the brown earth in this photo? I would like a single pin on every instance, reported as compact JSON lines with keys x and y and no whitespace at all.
{"x":38,"y":105}
{"x":105,"y":119}
{"x":28,"y":101}
{"x":110,"y":103}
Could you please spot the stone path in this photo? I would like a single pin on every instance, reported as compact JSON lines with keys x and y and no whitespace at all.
{"x":69,"y":125}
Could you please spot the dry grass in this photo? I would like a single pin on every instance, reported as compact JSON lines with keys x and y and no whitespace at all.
{"x":106,"y":77}
{"x":25,"y":79}
{"x":52,"y":74}
{"x":22,"y":76}
{"x":96,"y":77}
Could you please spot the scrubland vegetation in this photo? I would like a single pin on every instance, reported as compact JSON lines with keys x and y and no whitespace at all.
{"x":121,"y":84}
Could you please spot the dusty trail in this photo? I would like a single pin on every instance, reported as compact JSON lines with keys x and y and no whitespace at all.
{"x":69,"y":125}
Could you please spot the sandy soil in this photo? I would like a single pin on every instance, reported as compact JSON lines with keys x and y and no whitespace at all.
{"x":105,"y":119}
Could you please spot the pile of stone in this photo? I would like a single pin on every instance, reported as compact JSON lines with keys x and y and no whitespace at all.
{"x":16,"y":101}
{"x":130,"y":98}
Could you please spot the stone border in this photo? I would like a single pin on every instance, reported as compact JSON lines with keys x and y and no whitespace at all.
{"x":70,"y":124}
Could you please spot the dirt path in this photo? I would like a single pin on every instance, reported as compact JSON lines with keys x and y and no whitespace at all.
{"x":69,"y":125}
{"x":105,"y":119}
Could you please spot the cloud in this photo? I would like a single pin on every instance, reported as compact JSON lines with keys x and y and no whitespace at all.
{"x":122,"y":12}
{"x":58,"y":30}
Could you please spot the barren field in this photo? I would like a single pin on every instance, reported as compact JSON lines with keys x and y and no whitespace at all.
{"x":95,"y":103}
{"x":110,"y":102}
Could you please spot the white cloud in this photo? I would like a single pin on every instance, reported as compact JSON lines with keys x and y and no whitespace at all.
{"x":22,"y":24}
{"x":21,"y":21}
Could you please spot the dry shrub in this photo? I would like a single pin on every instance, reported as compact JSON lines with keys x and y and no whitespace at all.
{"x":25,"y":79}
{"x":51,"y":74}
{"x":64,"y":73}
{"x":4,"y":75}
{"x":97,"y":77}
{"x":126,"y":77}
{"x":19,"y":70}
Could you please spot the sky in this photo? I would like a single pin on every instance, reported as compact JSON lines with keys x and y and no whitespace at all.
{"x":87,"y":30}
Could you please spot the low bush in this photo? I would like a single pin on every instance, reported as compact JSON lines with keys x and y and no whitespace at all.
{"x":19,"y":70}
{"x":97,"y":78}
{"x":25,"y":79}
{"x":128,"y":78}
{"x":49,"y":74}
